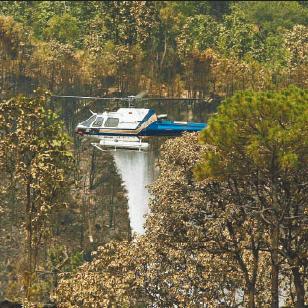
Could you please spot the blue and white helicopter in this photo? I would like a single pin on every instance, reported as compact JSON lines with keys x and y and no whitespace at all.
{"x":127,"y":128}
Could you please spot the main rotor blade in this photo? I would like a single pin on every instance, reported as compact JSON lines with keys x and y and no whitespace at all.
{"x":175,"y":98}
{"x":137,"y":98}
{"x":89,"y":97}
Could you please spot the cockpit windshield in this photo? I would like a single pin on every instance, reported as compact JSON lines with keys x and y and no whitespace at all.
{"x":89,"y":121}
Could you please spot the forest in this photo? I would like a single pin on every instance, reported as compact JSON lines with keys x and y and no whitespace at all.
{"x":227,"y":225}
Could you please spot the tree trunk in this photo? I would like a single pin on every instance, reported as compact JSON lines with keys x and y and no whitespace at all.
{"x":29,"y":238}
{"x":299,"y":287}
{"x":275,"y":267}
{"x":252,"y":284}
{"x":251,"y":296}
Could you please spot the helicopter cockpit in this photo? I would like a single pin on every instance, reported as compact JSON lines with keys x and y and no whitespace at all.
{"x":123,"y":118}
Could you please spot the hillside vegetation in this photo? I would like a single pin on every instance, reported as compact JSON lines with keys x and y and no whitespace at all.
{"x":227,"y":225}
{"x":191,"y":48}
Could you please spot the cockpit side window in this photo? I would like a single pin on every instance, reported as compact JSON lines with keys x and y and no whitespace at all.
{"x":88,"y":121}
{"x":112,"y":122}
{"x":98,"y":122}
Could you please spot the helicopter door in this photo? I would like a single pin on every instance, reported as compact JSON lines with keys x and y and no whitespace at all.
{"x":98,"y":122}
{"x":96,"y":125}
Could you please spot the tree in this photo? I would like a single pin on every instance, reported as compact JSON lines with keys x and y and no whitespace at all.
{"x":260,"y":146}
{"x":62,"y":28}
{"x":108,"y":281}
{"x":35,"y":160}
{"x":238,"y":36}
{"x":202,"y":250}
{"x":274,"y":16}
{"x":199,"y":33}
{"x":15,"y":51}
{"x":56,"y":64}
{"x":296,"y":43}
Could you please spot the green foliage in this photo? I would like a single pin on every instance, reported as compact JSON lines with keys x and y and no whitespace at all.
{"x":191,"y":8}
{"x":20,"y":10}
{"x":59,"y":261}
{"x":265,"y":128}
{"x":274,"y":53}
{"x":239,"y":37}
{"x":199,"y":33}
{"x":62,"y":28}
{"x":273,"y":16}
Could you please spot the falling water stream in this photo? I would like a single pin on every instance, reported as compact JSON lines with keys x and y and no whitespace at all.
{"x":137,"y":170}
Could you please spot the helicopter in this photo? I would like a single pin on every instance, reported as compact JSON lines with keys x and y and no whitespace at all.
{"x":129,"y":127}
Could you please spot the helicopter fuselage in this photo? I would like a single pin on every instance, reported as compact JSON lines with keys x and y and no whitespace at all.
{"x":132,"y":124}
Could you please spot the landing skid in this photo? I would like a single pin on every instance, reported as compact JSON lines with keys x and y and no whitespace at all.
{"x":126,"y":143}
{"x":99,"y":147}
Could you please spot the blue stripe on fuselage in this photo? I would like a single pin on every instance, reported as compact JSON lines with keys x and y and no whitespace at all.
{"x":170,"y":128}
